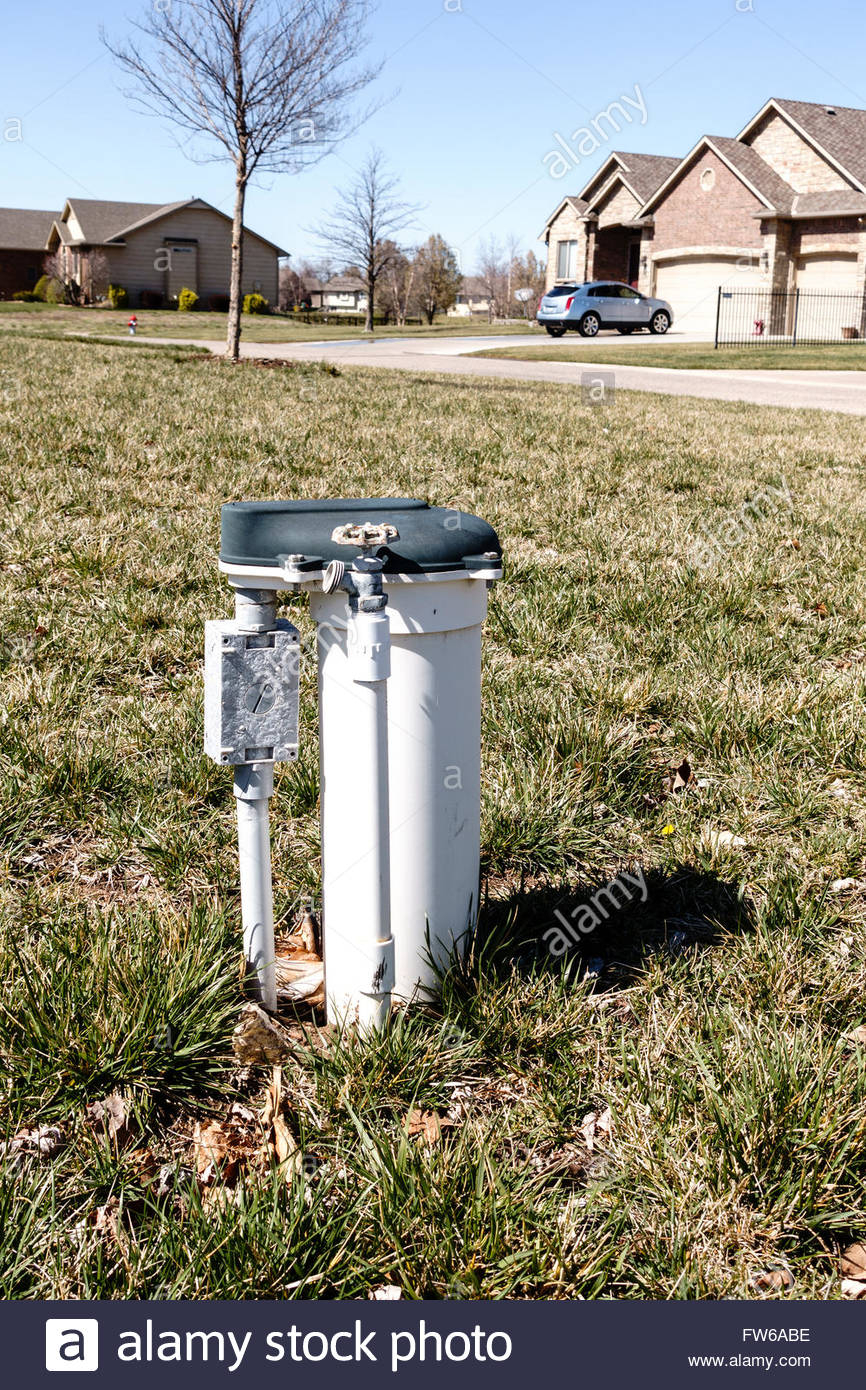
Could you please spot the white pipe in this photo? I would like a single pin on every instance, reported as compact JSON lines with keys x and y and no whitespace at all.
{"x":255,"y":611}
{"x":254,"y":784}
{"x":359,"y":953}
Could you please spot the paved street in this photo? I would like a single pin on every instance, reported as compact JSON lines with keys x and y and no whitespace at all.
{"x":842,"y":391}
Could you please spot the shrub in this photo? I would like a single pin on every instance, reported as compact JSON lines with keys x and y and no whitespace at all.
{"x":187,"y":300}
{"x":25,"y":296}
{"x":118,"y":297}
{"x":150,"y":299}
{"x":256,"y":304}
{"x":219,"y":303}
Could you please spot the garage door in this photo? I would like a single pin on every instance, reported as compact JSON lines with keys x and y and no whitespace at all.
{"x":691,"y":287}
{"x":829,"y":273}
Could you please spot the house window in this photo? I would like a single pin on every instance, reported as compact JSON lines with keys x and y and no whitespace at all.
{"x":566,"y":260}
{"x":708,"y":179}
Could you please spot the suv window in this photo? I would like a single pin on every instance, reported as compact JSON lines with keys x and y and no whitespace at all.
{"x":598,"y":292}
{"x":560,"y":291}
{"x":625,"y":292}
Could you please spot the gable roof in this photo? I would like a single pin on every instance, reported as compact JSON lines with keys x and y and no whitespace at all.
{"x":641,"y":173}
{"x":578,"y":204}
{"x":25,"y":229}
{"x":105,"y":222}
{"x":767,"y":186}
{"x":838,"y":132}
{"x":755,"y":171}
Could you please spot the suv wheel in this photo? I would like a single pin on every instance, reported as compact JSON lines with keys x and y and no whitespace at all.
{"x":589,"y":325}
{"x":555,"y":330}
{"x":660,"y":322}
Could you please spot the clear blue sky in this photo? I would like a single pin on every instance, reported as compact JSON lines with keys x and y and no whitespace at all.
{"x":480,"y":87}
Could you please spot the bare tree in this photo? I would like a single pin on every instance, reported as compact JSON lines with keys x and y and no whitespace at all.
{"x":362,"y":227}
{"x":399,"y":282}
{"x":268,"y":83}
{"x":493,"y":274}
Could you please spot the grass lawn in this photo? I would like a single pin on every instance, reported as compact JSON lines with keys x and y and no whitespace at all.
{"x":710,"y":1021}
{"x":257,"y":328}
{"x":837,"y":357}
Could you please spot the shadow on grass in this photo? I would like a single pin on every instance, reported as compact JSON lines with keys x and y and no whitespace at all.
{"x":608,"y":930}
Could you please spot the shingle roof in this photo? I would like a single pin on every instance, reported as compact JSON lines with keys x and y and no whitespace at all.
{"x":840,"y":130}
{"x":105,"y":221}
{"x":756,"y":170}
{"x":24,"y":229}
{"x":838,"y":201}
{"x":345,"y":283}
{"x":646,"y":172}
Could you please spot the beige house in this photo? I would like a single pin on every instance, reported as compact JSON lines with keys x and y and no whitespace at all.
{"x":781,"y":206}
{"x":472,"y":300}
{"x":156,"y":250}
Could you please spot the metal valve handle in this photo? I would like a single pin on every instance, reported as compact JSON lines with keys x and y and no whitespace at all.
{"x":366,"y":534}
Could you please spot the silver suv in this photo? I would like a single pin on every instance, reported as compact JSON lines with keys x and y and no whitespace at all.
{"x":601,"y":304}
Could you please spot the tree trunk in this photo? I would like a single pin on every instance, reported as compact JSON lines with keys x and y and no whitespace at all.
{"x":371,"y":291}
{"x":233,"y":332}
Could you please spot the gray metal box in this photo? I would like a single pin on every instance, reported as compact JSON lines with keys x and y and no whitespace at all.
{"x":250,"y":693}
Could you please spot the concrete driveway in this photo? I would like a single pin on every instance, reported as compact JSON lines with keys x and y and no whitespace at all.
{"x":841,"y":391}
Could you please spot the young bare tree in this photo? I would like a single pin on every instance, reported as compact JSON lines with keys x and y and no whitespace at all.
{"x":493,"y":275}
{"x":363,"y":225}
{"x":267,"y":84}
{"x":399,"y":282}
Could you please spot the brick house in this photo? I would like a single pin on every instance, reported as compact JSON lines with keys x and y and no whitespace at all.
{"x":780,"y":206}
{"x":23,"y":238}
{"x":150,"y":249}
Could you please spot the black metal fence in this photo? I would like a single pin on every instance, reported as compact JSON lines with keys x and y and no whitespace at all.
{"x":783,"y":318}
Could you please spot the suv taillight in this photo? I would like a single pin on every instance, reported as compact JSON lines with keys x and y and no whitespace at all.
{"x":568,"y":303}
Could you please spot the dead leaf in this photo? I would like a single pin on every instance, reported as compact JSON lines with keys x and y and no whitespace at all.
{"x":723,"y":839}
{"x":111,"y":1116}
{"x":679,"y":776}
{"x":105,"y":1220}
{"x":792,"y":543}
{"x":279,"y":1140}
{"x":594,"y":1126}
{"x":428,"y":1125}
{"x":844,"y":885}
{"x":44,"y":1142}
{"x":387,"y":1292}
{"x":858,"y":1035}
{"x":214,"y":1156}
{"x":853,"y":1262}
{"x":820,"y":610}
{"x":258,"y":1038}
{"x":773,"y":1280}
{"x":852,"y":1288}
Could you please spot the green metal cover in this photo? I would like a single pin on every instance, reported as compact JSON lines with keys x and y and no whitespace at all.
{"x":430,"y":538}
